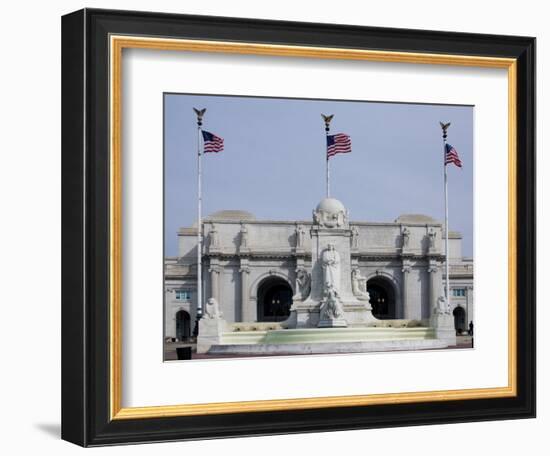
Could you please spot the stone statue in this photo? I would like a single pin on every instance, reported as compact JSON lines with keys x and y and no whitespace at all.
{"x":442,"y":306}
{"x":212,"y":310}
{"x":300,"y":236}
{"x":354,"y":237}
{"x":359,"y":285}
{"x":303,"y":278}
{"x":244,"y":236}
{"x":406,"y":233}
{"x":432,"y":234}
{"x":316,"y":217}
{"x":331,"y":307}
{"x":213,"y":236}
{"x":330,"y":259}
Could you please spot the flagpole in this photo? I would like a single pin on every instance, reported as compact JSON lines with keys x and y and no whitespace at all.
{"x":328,"y":168}
{"x":200,"y":114}
{"x":444,"y":127}
{"x":327,"y":120}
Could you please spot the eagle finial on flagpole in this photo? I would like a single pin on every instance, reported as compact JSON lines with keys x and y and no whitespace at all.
{"x":444,"y":127}
{"x":327,"y":120}
{"x":200,"y":115}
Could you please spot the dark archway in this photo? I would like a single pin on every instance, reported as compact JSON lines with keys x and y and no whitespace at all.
{"x":274,"y":299}
{"x":382,"y":298}
{"x":183,"y":325}
{"x":460,"y":319}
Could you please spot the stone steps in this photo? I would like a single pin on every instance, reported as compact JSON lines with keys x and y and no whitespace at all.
{"x":325,"y":335}
{"x":327,"y":348}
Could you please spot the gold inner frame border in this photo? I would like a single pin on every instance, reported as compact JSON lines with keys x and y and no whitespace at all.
{"x":116,"y":46}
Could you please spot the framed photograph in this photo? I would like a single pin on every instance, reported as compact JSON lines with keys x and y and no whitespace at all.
{"x":277,"y":227}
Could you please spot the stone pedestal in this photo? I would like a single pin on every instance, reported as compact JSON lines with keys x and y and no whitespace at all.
{"x":446,"y":334}
{"x":210,"y":333}
{"x":442,"y":322}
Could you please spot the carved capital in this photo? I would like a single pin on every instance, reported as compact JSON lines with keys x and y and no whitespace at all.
{"x":215,"y":269}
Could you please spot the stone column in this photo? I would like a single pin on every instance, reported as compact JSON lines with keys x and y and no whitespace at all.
{"x":214,"y":282}
{"x":435,"y":285}
{"x":405,"y":311}
{"x":246,"y":314}
{"x":469,"y":305}
{"x":441,"y":318}
{"x":300,"y":264}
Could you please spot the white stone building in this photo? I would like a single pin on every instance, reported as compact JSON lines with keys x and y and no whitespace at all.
{"x":252,"y":267}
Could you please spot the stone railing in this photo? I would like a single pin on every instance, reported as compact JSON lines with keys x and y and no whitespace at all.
{"x":461,"y":269}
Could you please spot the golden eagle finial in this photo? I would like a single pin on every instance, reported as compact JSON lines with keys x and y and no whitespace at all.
{"x":327,"y":120}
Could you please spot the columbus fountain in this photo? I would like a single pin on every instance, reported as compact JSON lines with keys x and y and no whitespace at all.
{"x":331,"y":312}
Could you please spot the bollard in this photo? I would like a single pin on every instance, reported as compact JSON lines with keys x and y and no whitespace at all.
{"x":183,"y":352}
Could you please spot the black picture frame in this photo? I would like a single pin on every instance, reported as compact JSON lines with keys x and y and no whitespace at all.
{"x":86,"y":412}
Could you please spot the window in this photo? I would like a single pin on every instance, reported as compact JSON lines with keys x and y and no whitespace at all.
{"x":183,"y":295}
{"x":459,"y":292}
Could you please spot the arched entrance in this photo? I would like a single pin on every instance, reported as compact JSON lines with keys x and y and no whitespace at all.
{"x":382,"y":298}
{"x":183,"y":325}
{"x":460,"y":319}
{"x":274,"y":299}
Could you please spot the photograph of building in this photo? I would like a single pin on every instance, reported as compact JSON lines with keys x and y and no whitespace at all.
{"x":327,"y":281}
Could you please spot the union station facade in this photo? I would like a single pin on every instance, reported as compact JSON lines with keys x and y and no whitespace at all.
{"x":252,"y":268}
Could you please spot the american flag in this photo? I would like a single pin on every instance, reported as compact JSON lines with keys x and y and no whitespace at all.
{"x":339,"y":143}
{"x":451,"y":156}
{"x":212,"y":143}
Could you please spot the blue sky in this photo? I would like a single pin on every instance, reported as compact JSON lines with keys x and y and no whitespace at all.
{"x":273,"y":164}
